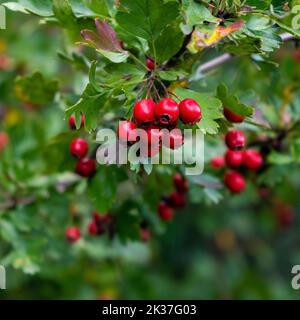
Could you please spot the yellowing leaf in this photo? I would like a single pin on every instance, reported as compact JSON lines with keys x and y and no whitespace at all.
{"x":205,"y":38}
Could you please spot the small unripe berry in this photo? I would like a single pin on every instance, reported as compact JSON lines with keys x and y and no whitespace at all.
{"x":166,"y":112}
{"x":72,"y":122}
{"x":86,"y":167}
{"x":180,"y":183}
{"x":217,"y":162}
{"x":233,"y":117}
{"x":252,"y":159}
{"x":189,"y":111}
{"x":177,"y":200}
{"x":234,"y":181}
{"x":72,"y":234}
{"x":143,"y":112}
{"x":145,"y":234}
{"x":235,"y":140}
{"x":124,"y":129}
{"x":79,"y":148}
{"x":150,"y":63}
{"x":234,"y":159}
{"x":165,"y":212}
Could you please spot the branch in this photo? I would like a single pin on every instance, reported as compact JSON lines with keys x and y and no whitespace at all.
{"x":12,"y":203}
{"x":212,"y":64}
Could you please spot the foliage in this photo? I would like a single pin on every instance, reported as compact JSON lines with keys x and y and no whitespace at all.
{"x":88,"y":58}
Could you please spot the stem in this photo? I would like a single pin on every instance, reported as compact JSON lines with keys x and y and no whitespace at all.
{"x":138,"y":61}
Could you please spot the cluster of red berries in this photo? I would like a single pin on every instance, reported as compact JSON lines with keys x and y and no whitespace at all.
{"x":176,"y":199}
{"x":101,"y":224}
{"x":79,"y":148}
{"x":236,"y":158}
{"x":164,"y":115}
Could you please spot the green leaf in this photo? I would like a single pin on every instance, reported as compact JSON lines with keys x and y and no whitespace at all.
{"x":154,"y":20}
{"x":167,"y":44}
{"x":128,"y":226}
{"x":40,"y":8}
{"x":35,"y":89}
{"x":64,"y":13}
{"x":196,"y":13}
{"x":232,"y":102}
{"x":210,"y":106}
{"x":103,"y":188}
{"x":279,"y":159}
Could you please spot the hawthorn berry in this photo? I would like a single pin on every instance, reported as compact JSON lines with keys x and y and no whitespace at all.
{"x":72,"y":122}
{"x":180,"y":183}
{"x":124,"y":130}
{"x":143,"y":112}
{"x":235,"y":140}
{"x":234,"y":181}
{"x":165,"y":212}
{"x":285,"y":215}
{"x":252,"y":159}
{"x":72,"y":234}
{"x":154,"y":135}
{"x":232,"y":117}
{"x":79,"y":148}
{"x":86,"y":167}
{"x":189,"y":111}
{"x":145,"y":234}
{"x":177,"y":199}
{"x":4,"y":140}
{"x":93,"y":228}
{"x":217,"y":162}
{"x":233,"y":158}
{"x":150,"y":64}
{"x":173,"y":139}
{"x":166,"y":112}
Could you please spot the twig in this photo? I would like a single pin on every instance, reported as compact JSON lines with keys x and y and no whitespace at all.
{"x":212,"y":64}
{"x":9,"y":204}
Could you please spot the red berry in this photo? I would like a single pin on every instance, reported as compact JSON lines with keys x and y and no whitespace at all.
{"x":235,"y":140}
{"x":72,"y":122}
{"x":4,"y":140}
{"x":217,"y":162}
{"x":180,"y":183}
{"x":145,"y":234}
{"x":252,"y":159}
{"x":297,"y":56}
{"x":143,"y":112}
{"x":152,"y":145}
{"x":86,"y":167}
{"x":234,"y":181}
{"x":285,"y":215}
{"x":150,"y":63}
{"x":189,"y":111}
{"x":233,"y":117}
{"x":177,"y":200}
{"x":173,"y":139}
{"x":93,"y":228}
{"x":165,"y":212}
{"x":79,"y":148}
{"x":166,"y":112}
{"x":124,"y":130}
{"x":234,"y":159}
{"x":73,"y":234}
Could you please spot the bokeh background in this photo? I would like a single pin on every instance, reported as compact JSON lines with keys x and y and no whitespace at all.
{"x":219,"y":246}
